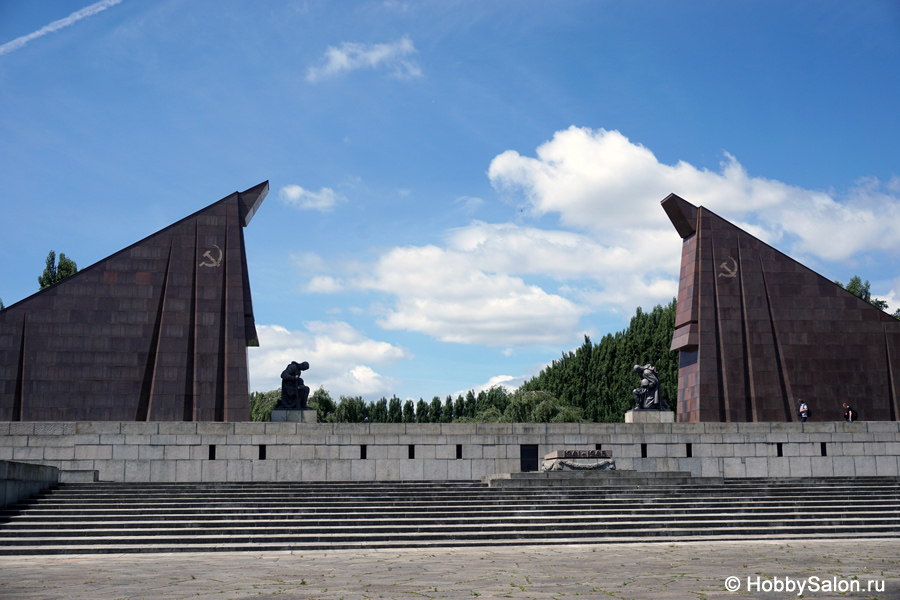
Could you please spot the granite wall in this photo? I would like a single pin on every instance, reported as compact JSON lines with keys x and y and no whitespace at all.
{"x":189,"y":452}
{"x":18,"y":481}
{"x":156,"y":332}
{"x":757,"y":332}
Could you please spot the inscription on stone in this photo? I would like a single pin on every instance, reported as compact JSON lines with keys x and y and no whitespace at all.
{"x":578,"y":454}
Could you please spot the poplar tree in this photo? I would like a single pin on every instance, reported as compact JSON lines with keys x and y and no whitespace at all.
{"x":54,"y":272}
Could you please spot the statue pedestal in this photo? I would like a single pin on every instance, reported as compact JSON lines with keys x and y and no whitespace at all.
{"x":294,"y":415}
{"x":649,"y":416}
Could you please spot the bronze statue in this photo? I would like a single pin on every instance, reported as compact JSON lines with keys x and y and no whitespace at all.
{"x":293,"y":393}
{"x":649,"y":395}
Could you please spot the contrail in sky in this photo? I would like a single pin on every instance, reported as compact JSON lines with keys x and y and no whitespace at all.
{"x":87,"y":11}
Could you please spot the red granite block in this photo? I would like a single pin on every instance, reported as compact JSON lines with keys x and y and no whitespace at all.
{"x":794,"y":333}
{"x":149,"y":313}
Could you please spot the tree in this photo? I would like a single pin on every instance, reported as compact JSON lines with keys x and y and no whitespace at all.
{"x":262,"y":403}
{"x":324,"y":405}
{"x":595,"y":380}
{"x":351,"y":410}
{"x":489,"y":415}
{"x":436,"y":411}
{"x":521,"y":405}
{"x":470,"y":403}
{"x":552,"y":410}
{"x":409,"y":411}
{"x":447,"y":415}
{"x":422,"y":412}
{"x":395,"y":410}
{"x":378,"y":411}
{"x":54,"y":272}
{"x":1,"y":304}
{"x":862,"y":290}
{"x":459,"y":408}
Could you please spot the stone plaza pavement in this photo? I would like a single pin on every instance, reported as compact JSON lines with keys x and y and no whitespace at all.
{"x":685,"y":570}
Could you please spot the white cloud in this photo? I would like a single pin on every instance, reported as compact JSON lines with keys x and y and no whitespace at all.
{"x":447,"y":295}
{"x":601,"y":182}
{"x":506,"y":381}
{"x":474,"y":290}
{"x":341,"y":358}
{"x":324,"y":200}
{"x":76,"y":16}
{"x":510,"y":248}
{"x":869,"y":220}
{"x":309,"y":261}
{"x":510,"y":285}
{"x":351,"y":56}
{"x":469,"y":204}
{"x":324,"y":284}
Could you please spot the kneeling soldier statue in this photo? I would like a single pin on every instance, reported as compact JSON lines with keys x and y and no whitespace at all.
{"x":649,"y":395}
{"x":293,"y":393}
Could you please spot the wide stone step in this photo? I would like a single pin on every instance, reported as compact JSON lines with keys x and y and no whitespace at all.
{"x":250,"y":507}
{"x":622,"y":537}
{"x":65,"y":491}
{"x":131,"y":489}
{"x":723,"y":530}
{"x":472,"y":499}
{"x":54,"y":518}
{"x":400,"y":526}
{"x":296,"y":504}
{"x":79,"y":518}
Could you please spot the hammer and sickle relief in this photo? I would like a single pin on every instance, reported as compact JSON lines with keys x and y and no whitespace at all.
{"x":726,"y":272}
{"x":213,"y":262}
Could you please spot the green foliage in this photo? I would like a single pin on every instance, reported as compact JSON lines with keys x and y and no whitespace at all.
{"x":553,"y":410}
{"x":409,"y":412}
{"x":471,"y":403}
{"x":862,"y":290}
{"x":262,"y":403}
{"x":54,"y":272}
{"x":490,"y":414}
{"x":423,"y":413}
{"x":568,"y":414}
{"x":395,"y":410}
{"x":459,"y":408}
{"x":324,"y":405}
{"x":521,"y":405}
{"x":859,"y":289}
{"x":351,"y":410}
{"x":436,"y":411}
{"x":597,"y":378}
{"x":1,"y":304}
{"x":447,"y":415}
{"x":591,"y":383}
{"x":378,"y":411}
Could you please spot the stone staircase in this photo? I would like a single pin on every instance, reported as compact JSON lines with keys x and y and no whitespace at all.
{"x":130,"y":517}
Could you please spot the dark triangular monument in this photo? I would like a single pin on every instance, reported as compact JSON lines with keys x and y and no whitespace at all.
{"x":156,"y":332}
{"x":757,"y":332}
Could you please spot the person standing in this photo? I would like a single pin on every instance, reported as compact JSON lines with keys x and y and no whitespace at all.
{"x":850,"y":415}
{"x":803,"y":411}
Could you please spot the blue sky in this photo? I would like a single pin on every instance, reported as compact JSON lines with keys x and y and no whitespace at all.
{"x":459,"y":190}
